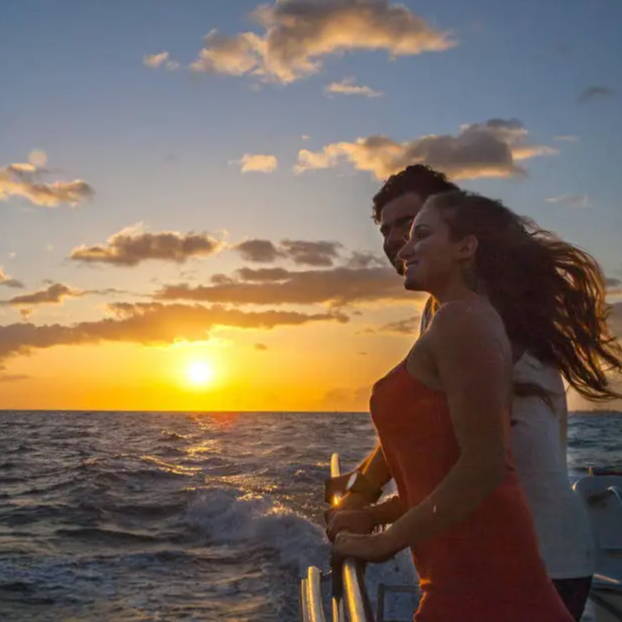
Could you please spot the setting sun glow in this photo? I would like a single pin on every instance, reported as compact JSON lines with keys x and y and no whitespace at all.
{"x":199,"y":373}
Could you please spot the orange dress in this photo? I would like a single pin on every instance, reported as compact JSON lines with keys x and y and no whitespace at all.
{"x":485,"y":568}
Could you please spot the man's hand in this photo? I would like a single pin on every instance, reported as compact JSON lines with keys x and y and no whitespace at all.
{"x":354,"y":521}
{"x":335,"y":486}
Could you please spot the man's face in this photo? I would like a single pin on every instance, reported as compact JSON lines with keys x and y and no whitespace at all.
{"x":395,"y":220}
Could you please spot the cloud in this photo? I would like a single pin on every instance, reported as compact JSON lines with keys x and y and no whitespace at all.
{"x":257,"y":163}
{"x":259,"y":251}
{"x":301,"y":252}
{"x":131,"y":246}
{"x":364,"y":259}
{"x":319,"y":253}
{"x":595,"y":92}
{"x":346,"y":398}
{"x":299,"y":33}
{"x":348,"y":86}
{"x":407,"y":326}
{"x":571,"y":200}
{"x":25,"y":179}
{"x":162,"y":59}
{"x":488,"y":149}
{"x":8,"y":281}
{"x":54,"y":294}
{"x":12,"y":377}
{"x":568,"y":138}
{"x":260,"y":275}
{"x":261,"y":346}
{"x":148,"y":324}
{"x":337,"y":286}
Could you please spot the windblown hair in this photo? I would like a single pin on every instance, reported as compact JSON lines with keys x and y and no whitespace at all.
{"x":550,"y":294}
{"x":418,"y":178}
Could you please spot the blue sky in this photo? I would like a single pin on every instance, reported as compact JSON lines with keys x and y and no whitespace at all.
{"x":162,"y":147}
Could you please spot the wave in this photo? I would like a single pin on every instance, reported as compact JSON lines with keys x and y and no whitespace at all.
{"x":229,"y":516}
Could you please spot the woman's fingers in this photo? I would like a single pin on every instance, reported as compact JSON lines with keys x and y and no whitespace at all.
{"x":371,"y":548}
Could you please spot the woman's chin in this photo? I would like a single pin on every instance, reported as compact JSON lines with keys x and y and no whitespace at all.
{"x":412,"y":284}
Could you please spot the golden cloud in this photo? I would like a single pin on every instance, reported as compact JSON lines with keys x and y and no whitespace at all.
{"x":257,"y":163}
{"x":162,"y":59}
{"x":348,"y":86}
{"x":24,"y":179}
{"x":299,"y":33}
{"x":148,"y":324}
{"x":488,"y":149}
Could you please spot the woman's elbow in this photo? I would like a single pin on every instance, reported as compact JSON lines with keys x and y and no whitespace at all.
{"x":488,"y":471}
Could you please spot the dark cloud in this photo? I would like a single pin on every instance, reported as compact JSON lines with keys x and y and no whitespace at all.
{"x":261,"y":346}
{"x":259,"y":251}
{"x":321,"y":253}
{"x":301,"y":252}
{"x":8,"y":281}
{"x":221,"y":279}
{"x":261,"y":275}
{"x":489,"y":149}
{"x":299,"y":33}
{"x":364,"y":259}
{"x":595,"y":92}
{"x":53,"y":294}
{"x":131,"y":246}
{"x":148,"y":323}
{"x":337,"y":286}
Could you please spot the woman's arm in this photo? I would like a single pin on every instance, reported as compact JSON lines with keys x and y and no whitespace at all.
{"x":365,"y":519}
{"x":473,"y":358}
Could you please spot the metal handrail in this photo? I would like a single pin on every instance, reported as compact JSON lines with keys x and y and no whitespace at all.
{"x":347,"y":584}
{"x":314,"y":607}
{"x":354,"y":592}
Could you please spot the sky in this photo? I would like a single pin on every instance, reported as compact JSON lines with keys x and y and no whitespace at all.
{"x":186,"y":187}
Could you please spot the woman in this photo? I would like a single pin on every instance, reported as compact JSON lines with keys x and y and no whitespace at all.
{"x":443,"y":414}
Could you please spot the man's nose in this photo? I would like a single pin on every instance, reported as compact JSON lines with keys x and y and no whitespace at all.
{"x":404,"y":252}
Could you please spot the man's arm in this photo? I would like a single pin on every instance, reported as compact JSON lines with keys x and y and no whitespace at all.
{"x":376,"y":472}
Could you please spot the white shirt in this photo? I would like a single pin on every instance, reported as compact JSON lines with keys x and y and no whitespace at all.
{"x":539,"y":450}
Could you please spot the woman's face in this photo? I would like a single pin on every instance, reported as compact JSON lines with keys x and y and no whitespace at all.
{"x":431,"y":258}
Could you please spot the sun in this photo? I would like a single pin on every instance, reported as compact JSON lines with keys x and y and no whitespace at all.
{"x":199,"y":373}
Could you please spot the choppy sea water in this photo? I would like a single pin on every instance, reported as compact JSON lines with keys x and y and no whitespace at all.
{"x":132,"y":516}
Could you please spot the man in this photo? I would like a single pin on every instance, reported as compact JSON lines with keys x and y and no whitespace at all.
{"x":395,"y":207}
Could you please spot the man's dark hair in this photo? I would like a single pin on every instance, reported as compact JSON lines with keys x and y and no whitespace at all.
{"x":418,"y":178}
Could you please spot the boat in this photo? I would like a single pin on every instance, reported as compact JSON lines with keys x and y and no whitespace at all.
{"x":346,"y":590}
{"x":601,"y":492}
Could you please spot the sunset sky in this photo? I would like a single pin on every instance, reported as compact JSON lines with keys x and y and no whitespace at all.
{"x":189,"y":183}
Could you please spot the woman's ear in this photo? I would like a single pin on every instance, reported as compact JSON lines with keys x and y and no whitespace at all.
{"x":467,"y":247}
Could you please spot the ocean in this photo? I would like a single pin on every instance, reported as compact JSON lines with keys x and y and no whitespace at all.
{"x":140,"y":516}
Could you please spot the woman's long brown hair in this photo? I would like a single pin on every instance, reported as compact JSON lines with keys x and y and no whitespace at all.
{"x":549,"y":293}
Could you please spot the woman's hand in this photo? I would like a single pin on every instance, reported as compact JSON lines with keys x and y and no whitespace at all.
{"x":355,"y":521}
{"x":369,"y":548}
